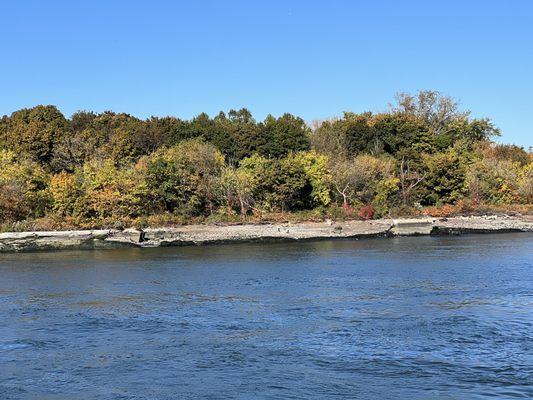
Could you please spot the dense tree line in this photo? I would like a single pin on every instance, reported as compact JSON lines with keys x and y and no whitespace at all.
{"x":110,"y":168}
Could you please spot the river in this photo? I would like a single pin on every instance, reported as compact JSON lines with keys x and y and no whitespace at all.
{"x":399,"y":318}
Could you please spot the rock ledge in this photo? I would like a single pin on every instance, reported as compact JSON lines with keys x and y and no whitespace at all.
{"x":205,"y":234}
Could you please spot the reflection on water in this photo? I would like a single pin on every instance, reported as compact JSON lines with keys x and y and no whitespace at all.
{"x":417,"y":318}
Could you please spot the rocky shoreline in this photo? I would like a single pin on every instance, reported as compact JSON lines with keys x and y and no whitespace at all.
{"x":208,"y":234}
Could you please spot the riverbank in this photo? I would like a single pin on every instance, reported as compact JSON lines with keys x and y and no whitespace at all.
{"x":208,"y":234}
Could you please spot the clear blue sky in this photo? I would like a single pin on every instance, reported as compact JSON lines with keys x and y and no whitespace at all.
{"x":311,"y":58}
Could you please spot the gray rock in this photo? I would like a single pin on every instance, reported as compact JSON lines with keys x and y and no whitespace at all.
{"x":203,"y":234}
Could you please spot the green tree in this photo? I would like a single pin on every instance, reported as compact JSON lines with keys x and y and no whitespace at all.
{"x":34,"y":132}
{"x":361,"y":134}
{"x":283,"y":135}
{"x":315,"y":167}
{"x":278,"y":184}
{"x":399,"y":132}
{"x":183,"y":177}
{"x":444,"y":178}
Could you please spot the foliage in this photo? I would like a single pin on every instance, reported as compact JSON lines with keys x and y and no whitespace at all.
{"x":182,"y":178}
{"x":65,"y":192}
{"x":444,"y":179}
{"x":107,"y":191}
{"x":315,"y":168}
{"x":113,"y":169}
{"x":525,"y":184}
{"x":23,"y":188}
{"x":366,"y":212}
{"x":235,"y":190}
{"x":283,"y":135}
{"x":34,"y":132}
{"x":495,"y":181}
{"x":278,"y":184}
{"x":356,"y":181}
{"x":386,"y":195}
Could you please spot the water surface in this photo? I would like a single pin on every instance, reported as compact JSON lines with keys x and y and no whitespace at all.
{"x":410,"y":318}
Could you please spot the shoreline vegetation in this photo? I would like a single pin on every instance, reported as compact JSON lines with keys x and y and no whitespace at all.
{"x":213,"y":234}
{"x":425,"y":157}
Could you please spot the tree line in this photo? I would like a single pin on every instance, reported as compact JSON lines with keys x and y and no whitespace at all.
{"x":112,"y":169}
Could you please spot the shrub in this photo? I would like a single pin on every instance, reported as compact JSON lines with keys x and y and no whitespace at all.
{"x":23,"y":188}
{"x":366,"y":212}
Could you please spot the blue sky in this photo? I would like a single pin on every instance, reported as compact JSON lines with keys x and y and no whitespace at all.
{"x":311,"y":58}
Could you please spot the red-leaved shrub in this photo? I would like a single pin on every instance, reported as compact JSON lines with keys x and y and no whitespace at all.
{"x":366,"y":212}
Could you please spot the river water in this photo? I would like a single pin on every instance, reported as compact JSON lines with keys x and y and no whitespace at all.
{"x":402,"y":318}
